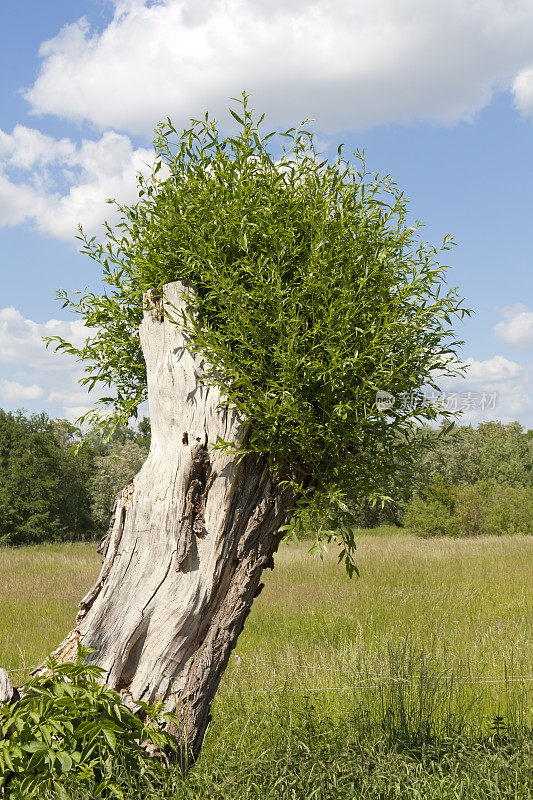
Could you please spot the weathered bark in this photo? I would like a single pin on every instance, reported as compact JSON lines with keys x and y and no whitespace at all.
{"x":188,"y":541}
{"x":6,"y":687}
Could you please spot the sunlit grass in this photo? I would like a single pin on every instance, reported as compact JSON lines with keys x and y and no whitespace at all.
{"x":40,"y":588}
{"x":467,"y":602}
{"x":442,"y":609}
{"x":395,"y":721}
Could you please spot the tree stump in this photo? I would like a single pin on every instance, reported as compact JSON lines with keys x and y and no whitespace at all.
{"x":188,"y":540}
{"x":6,"y":687}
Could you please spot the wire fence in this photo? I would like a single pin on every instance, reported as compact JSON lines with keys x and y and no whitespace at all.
{"x":480,"y":679}
{"x":387,"y":676}
{"x":378,"y":679}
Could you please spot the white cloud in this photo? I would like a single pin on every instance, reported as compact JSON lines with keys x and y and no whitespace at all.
{"x":343,"y":62}
{"x":347,"y":63}
{"x":517,"y":326}
{"x":21,"y":340}
{"x":14,"y":391}
{"x":73,"y":413}
{"x":17,"y":201}
{"x":26,"y":147}
{"x":66,"y":396}
{"x":58,"y":184}
{"x":493,"y":370}
{"x":39,"y":378}
{"x":494,"y":388}
{"x":36,"y":377}
{"x":523,"y":91}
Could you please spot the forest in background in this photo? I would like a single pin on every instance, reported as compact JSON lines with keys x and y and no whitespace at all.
{"x":53,"y":489}
{"x":476,"y":481}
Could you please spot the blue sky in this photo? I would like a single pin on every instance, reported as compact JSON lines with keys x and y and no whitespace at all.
{"x":440,"y":95}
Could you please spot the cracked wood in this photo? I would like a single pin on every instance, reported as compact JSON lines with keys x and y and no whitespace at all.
{"x":187,"y":544}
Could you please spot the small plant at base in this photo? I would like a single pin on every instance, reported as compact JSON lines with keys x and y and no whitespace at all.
{"x":70,"y":725}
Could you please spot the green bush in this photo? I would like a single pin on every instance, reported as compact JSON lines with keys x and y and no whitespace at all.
{"x":312,"y":293}
{"x":432,"y":514}
{"x":69,"y":726}
{"x":509,"y":510}
{"x":111,"y":473}
{"x":481,"y":508}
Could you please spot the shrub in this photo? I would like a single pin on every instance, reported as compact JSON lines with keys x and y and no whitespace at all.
{"x":471,"y":510}
{"x":432,"y":514}
{"x":509,"y":510}
{"x":69,"y":726}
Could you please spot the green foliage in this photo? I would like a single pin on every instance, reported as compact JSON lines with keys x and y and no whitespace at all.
{"x":103,"y":443}
{"x":312,"y":292}
{"x":292,"y":748}
{"x":67,"y":724}
{"x":421,"y":731}
{"x":111,"y":473}
{"x":496,"y":453}
{"x":53,"y":489}
{"x":429,"y":516}
{"x":510,"y":510}
{"x":484,"y":507}
{"x":412,"y":738}
{"x":491,"y":452}
{"x":43,"y":480}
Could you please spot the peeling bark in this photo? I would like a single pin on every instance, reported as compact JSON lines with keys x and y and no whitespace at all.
{"x":188,"y":540}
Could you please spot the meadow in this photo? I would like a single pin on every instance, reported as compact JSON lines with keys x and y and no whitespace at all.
{"x":407,"y":682}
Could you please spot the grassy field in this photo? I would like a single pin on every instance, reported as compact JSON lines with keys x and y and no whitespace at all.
{"x":379,"y":687}
{"x":40,"y":588}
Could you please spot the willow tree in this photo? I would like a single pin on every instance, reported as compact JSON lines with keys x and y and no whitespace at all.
{"x":259,"y":296}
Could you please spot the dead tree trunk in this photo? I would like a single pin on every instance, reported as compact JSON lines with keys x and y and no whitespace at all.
{"x":6,"y":687}
{"x":188,"y":541}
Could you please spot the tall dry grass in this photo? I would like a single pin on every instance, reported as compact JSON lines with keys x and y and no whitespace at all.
{"x":40,"y":587}
{"x":341,"y":689}
{"x":466,"y":604}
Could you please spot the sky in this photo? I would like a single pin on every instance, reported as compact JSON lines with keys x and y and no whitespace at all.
{"x":438,"y":94}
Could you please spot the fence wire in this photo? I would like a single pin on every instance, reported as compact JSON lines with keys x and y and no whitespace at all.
{"x":379,"y":679}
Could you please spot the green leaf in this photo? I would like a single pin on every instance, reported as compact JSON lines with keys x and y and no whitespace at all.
{"x":65,"y":760}
{"x":110,"y":738}
{"x":236,"y":116}
{"x":34,"y":747}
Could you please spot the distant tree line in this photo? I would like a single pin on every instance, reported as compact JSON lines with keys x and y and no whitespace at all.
{"x":58,"y":483}
{"x":476,"y":481}
{"x":53,"y":489}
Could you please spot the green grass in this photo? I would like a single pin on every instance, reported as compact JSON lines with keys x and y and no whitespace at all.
{"x":40,"y":587}
{"x":469,"y":602}
{"x":378,"y":705}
